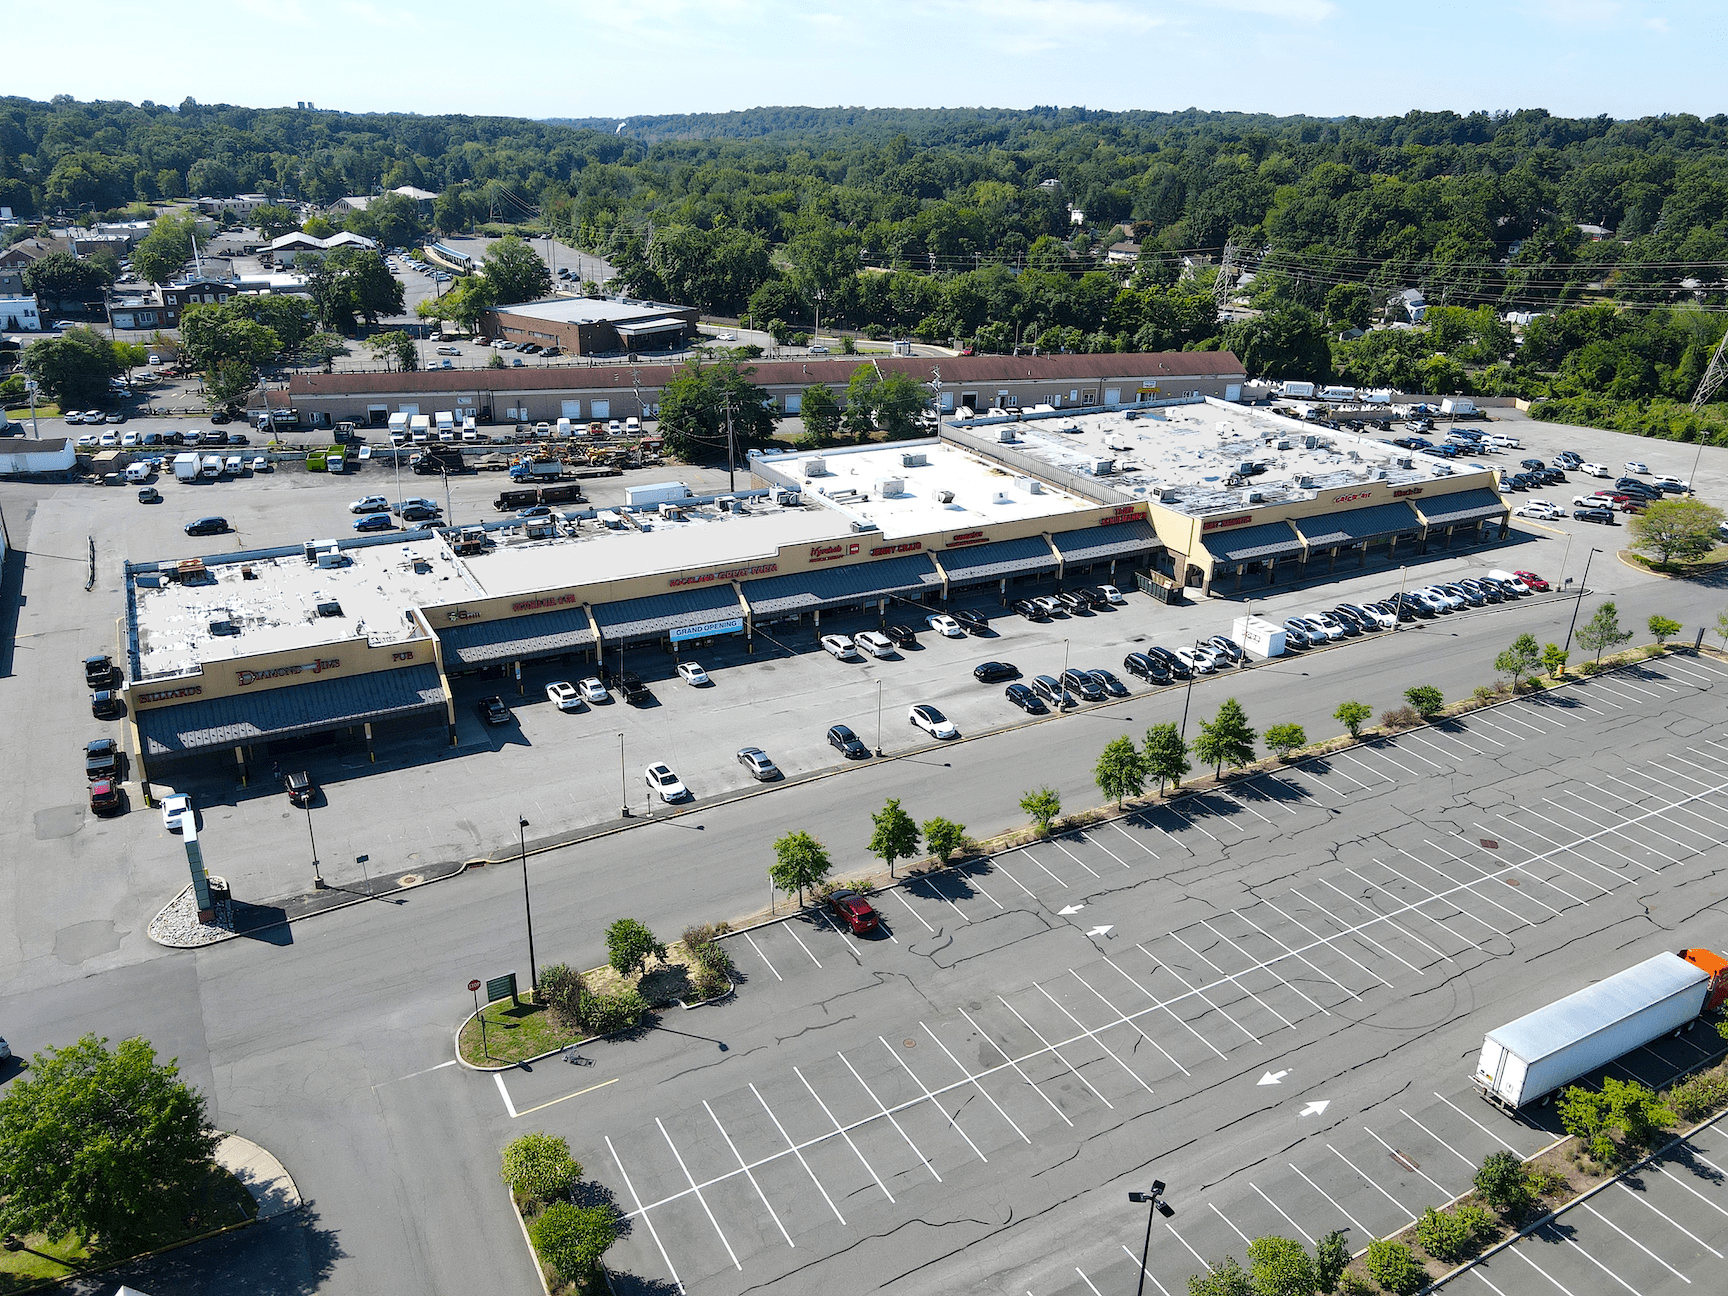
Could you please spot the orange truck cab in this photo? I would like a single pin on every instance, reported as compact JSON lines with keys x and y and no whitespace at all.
{"x":1717,"y":967}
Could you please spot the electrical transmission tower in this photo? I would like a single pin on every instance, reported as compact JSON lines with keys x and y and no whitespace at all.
{"x":1226,"y":275}
{"x":1713,"y":376}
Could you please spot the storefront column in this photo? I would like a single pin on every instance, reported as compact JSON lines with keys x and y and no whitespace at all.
{"x":240,"y":761}
{"x":371,"y":755}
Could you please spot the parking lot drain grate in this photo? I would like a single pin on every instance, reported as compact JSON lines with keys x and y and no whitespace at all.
{"x":1409,"y":1163}
{"x":1512,"y":881}
{"x":909,"y":1043}
{"x":1488,"y":843}
{"x":409,"y":879}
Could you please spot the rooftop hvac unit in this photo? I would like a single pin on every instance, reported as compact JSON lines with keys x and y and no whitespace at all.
{"x":787,"y":498}
{"x":1031,"y":485}
{"x":1101,"y":467}
{"x":816,"y":466}
{"x":330,"y":558}
{"x":1305,"y":482}
{"x":1310,"y":442}
{"x":913,"y":459}
{"x":1001,"y":497}
{"x":889,"y":487}
{"x":1282,"y":443}
{"x":329,"y":608}
{"x":1256,"y":497}
{"x":148,"y":580}
{"x":1406,"y":462}
{"x":1005,"y":435}
{"x":944,"y":497}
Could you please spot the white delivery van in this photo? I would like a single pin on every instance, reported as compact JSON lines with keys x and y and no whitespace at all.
{"x":211,"y":467}
{"x":138,"y":472}
{"x":233,"y":466}
{"x":1298,"y":388}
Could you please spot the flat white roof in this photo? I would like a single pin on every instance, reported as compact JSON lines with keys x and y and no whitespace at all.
{"x":1190,"y":452}
{"x":228,"y":616}
{"x":588,"y":310}
{"x":854,"y":483}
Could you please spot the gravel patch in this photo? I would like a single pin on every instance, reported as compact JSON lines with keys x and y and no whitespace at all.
{"x":177,"y":925}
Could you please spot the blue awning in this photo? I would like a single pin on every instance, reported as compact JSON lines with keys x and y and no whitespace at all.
{"x":538,"y":634}
{"x":1462,"y":506}
{"x":994,"y":561}
{"x":813,"y":590}
{"x":1252,"y":544}
{"x":1102,"y":543}
{"x":1358,"y":526}
{"x":660,"y":614}
{"x":244,"y":718}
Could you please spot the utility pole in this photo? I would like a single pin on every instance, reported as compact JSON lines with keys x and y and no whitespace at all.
{"x":731,"y":456}
{"x":1707,"y":386}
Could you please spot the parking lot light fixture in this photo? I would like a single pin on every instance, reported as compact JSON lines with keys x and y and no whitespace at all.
{"x":1064,"y":673}
{"x":623,"y":784}
{"x":1578,"y":602}
{"x":878,"y":719}
{"x":1398,"y":607}
{"x":1155,"y":1205}
{"x":527,"y":906}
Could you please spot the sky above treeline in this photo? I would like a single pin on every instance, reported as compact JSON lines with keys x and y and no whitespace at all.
{"x":607,"y":58}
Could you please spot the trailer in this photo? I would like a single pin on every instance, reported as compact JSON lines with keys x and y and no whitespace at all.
{"x":568,"y":494}
{"x":1543,"y":1051}
{"x":510,"y":500}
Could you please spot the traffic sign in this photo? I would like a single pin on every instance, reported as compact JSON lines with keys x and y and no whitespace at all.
{"x":473,"y":986}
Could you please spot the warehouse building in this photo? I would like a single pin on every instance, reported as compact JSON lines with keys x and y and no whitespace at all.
{"x":613,"y":390}
{"x":586,"y":326}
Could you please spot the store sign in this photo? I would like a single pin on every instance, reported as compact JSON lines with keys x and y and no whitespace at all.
{"x":966,"y":538}
{"x":316,"y":667}
{"x":1351,"y":499}
{"x":402,"y":656}
{"x":168,"y":695}
{"x":1212,"y":524}
{"x":828,"y":553}
{"x":708,"y":629}
{"x":911,"y":546}
{"x":1408,"y":490}
{"x":729,"y":574}
{"x":461,"y":614}
{"x":528,"y":605}
{"x":1123,"y":513}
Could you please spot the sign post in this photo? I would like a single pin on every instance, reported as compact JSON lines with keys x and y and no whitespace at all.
{"x":474,"y":989}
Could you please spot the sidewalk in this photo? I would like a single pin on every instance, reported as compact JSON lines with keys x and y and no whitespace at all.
{"x":266,"y":1178}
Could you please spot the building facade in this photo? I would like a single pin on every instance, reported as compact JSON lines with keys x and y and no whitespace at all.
{"x":590,"y":326}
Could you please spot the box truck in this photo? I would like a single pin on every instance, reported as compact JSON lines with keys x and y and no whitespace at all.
{"x":1303,"y":389}
{"x":1541,"y":1052}
{"x":657,"y":493}
{"x":186,"y":466}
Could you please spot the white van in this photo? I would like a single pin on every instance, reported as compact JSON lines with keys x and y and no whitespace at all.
{"x":1507,"y":578}
{"x":138,"y":472}
{"x":875,"y":643}
{"x":233,"y":466}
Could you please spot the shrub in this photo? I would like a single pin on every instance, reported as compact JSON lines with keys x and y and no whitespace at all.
{"x":1283,"y":738}
{"x":572,"y":1239}
{"x":605,"y":1013}
{"x":1696,"y":1098}
{"x":1396,"y":1268}
{"x":629,"y":946}
{"x":1427,"y":700}
{"x":1451,"y":1235}
{"x":562,"y":990}
{"x":1353,"y":1284}
{"x":711,"y":974}
{"x":1403,"y":718}
{"x":1503,"y":1183}
{"x":1352,"y":715}
{"x":540,"y":1166}
{"x":942,"y":837}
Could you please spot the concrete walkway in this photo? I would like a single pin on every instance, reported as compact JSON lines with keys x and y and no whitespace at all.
{"x":266,"y":1178}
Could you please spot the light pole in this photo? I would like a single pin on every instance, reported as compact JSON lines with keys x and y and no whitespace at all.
{"x":1398,"y":607}
{"x":1064,"y":674}
{"x":1155,"y":1203}
{"x":527,"y":907}
{"x":1578,"y":602}
{"x":878,"y":718}
{"x":318,"y":883}
{"x":623,"y":787}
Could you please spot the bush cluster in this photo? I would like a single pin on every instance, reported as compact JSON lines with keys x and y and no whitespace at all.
{"x":1694,"y":1099}
{"x":711,"y":973}
{"x":1403,"y":717}
{"x":1396,"y":1268}
{"x":1451,"y":1235}
{"x":604,"y":1013}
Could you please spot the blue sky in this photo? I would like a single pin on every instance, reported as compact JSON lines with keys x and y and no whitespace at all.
{"x":577,"y":58}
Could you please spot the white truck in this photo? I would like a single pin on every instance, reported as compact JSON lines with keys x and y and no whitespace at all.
{"x":420,"y":428}
{"x":398,"y":429}
{"x":445,"y":421}
{"x":657,"y":493}
{"x":1302,"y":389}
{"x":1543,"y":1051}
{"x":186,"y":466}
{"x":210,"y":467}
{"x":1458,"y":407}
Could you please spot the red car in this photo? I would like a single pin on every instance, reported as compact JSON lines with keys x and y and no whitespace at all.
{"x":853,"y":910}
{"x":1611,"y":497}
{"x":105,"y":797}
{"x":1534,"y":581}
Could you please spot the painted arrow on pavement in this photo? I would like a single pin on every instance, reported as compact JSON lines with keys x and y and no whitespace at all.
{"x":1315,"y":1108}
{"x":1070,"y":909}
{"x":1272,"y":1077}
{"x":1100,"y":931}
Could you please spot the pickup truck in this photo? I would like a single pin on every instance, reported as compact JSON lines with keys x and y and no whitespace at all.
{"x":98,"y":671}
{"x":634,"y":691}
{"x":103,"y":759}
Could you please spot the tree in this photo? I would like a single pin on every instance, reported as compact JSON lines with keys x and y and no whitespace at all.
{"x":273,"y":221}
{"x":1225,"y":739}
{"x":1504,"y":1184}
{"x":350,"y":283}
{"x":539,"y":1165}
{"x":516,"y":272}
{"x":1119,"y":772}
{"x":162,"y":252}
{"x":1678,"y":528}
{"x":572,"y":1239}
{"x":1331,"y":1258}
{"x":1623,"y":1105}
{"x":60,"y":276}
{"x":942,"y":837}
{"x":1602,"y":631}
{"x":1165,"y":754}
{"x":396,"y":350}
{"x":1522,"y":658}
{"x":897,"y":404}
{"x":1451,"y":1235}
{"x":800,"y":861}
{"x":1428,"y":700}
{"x":1554,"y":660}
{"x":561,"y":989}
{"x":211,"y":334}
{"x":1226,"y":1278}
{"x":694,"y":405}
{"x":859,"y":416}
{"x":1662,"y":628}
{"x":1042,"y":806}
{"x":1352,"y":716}
{"x":895,"y":836}
{"x":325,"y":347}
{"x":230,"y":383}
{"x":1279,"y":1266}
{"x":92,"y":1141}
{"x":820,"y":412}
{"x":1349,"y":305}
{"x":629,"y":946}
{"x":1395,"y":1267}
{"x":1285,"y":738}
{"x":463,"y":304}
{"x":74,"y":367}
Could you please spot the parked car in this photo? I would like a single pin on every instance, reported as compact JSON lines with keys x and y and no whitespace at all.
{"x":1297,"y":635}
{"x":1541,"y":510}
{"x":943,"y":624}
{"x":564,"y":696}
{"x":493,"y":711}
{"x":1025,"y":699}
{"x":926,"y":717}
{"x":847,"y":743}
{"x":1199,"y":664}
{"x":992,"y":672}
{"x":1051,"y":690}
{"x":974,"y":622}
{"x":632,"y":689}
{"x":206,"y":526}
{"x":1073,"y":603}
{"x":370,"y":504}
{"x":301,"y":790}
{"x":1082,"y":683}
{"x":1633,"y":466}
{"x":418,"y":513}
{"x":1178,"y":668}
{"x":177,"y":811}
{"x":874,"y":642}
{"x":1381,"y":620}
{"x":1031,"y":610}
{"x":1051,"y":604}
{"x":757,"y":761}
{"x":1146,"y":667}
{"x":1112,"y":594}
{"x":1601,"y":515}
{"x":839,"y":646}
{"x":667,"y":785}
{"x":1108,"y":682}
{"x":375,"y":522}
{"x":106,"y":704}
{"x":853,"y":910}
{"x":105,"y":798}
{"x":593,"y":691}
{"x":902,"y":636}
{"x":693,"y":674}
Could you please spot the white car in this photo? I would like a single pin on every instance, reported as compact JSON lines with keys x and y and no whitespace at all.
{"x":370,"y":504}
{"x":1318,"y":628}
{"x":1633,"y":466}
{"x":88,"y":440}
{"x":1050,"y":604}
{"x":943,"y":624}
{"x":261,"y":464}
{"x":177,"y":811}
{"x":662,"y":780}
{"x":614,"y":428}
{"x":693,"y":674}
{"x":128,"y":440}
{"x":108,"y":441}
{"x":1194,"y":662}
{"x":154,"y":358}
{"x":875,"y":643}
{"x":1595,"y":470}
{"x":564,"y":694}
{"x":838,"y":646}
{"x":1674,"y":483}
{"x":1439,"y":599}
{"x":593,"y":690}
{"x":1509,"y":578}
{"x":1540,"y":509}
{"x":1384,"y":620}
{"x":1333,"y":627}
{"x":932,"y":721}
{"x":1113,"y":594}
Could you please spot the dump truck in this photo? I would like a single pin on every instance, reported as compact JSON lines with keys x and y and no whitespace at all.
{"x":435,"y":459}
{"x":1541,"y":1052}
{"x":528,"y":469}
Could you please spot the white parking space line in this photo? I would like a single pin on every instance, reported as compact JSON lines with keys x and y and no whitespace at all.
{"x":1009,"y":1061}
{"x":890,"y":1115}
{"x":505,"y":1094}
{"x":1122,"y":1018}
{"x":909,"y":909}
{"x":1001,"y":868}
{"x":1551,"y":857}
{"x":1426,"y":742}
{"x":1250,"y":809}
{"x":1416,"y":755}
{"x":974,"y":884}
{"x":1635,"y":1242}
{"x":1358,"y":932}
{"x":1510,"y":716}
{"x":1593,"y":1260}
{"x":766,"y":1204}
{"x":1303,"y":958}
{"x":699,"y":1197}
{"x":1623,"y":682}
{"x":952,"y":1123}
{"x":1231,"y":976}
{"x":1519,"y":1252}
{"x":1174,"y":1015}
{"x":1112,"y":854}
{"x":1619,"y":690}
{"x":1333,"y":769}
{"x":975,"y":1082}
{"x":1691,"y":672}
{"x":1093,"y":1036}
{"x":1477,"y":1270}
{"x":1370,"y":769}
{"x":843,"y":1133}
{"x":646,"y":1217}
{"x":1500,"y":729}
{"x":1071,"y":855}
{"x":1188,"y":819}
{"x":1381,"y":750}
{"x":763,"y":957}
{"x":1051,"y":1049}
{"x":1131,"y":837}
{"x":1442,"y":1142}
{"x":1521,"y":868}
{"x":1316,"y":938}
{"x":1680,"y":774}
{"x":1047,"y":873}
{"x":1708,"y":833}
{"x":1561,"y":828}
{"x":1300,"y":1231}
{"x":1646,"y":829}
{"x":1284,"y":981}
{"x":1087,"y":1281}
{"x":943,"y":897}
{"x":1644,"y":1200}
{"x":1409,"y":908}
{"x":1693,"y":1149}
{"x":1597,"y":687}
{"x":1288,"y":809}
{"x":798,"y":1152}
{"x":1335,"y":1206}
{"x":1487,"y":876}
{"x":1478,"y":1124}
{"x":1142,"y":1268}
{"x":1367,"y":1179}
{"x":1191,"y":1250}
{"x":1520,"y":919}
{"x":1408,"y":1162}
{"x":1246,"y":1240}
{"x":1465,"y":913}
{"x":1470,"y":729}
{"x":1620,"y":878}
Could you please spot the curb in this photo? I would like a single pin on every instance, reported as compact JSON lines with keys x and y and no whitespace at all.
{"x":533,"y":1255}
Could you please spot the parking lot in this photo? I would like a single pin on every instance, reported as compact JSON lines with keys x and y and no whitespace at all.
{"x":1268,"y":996}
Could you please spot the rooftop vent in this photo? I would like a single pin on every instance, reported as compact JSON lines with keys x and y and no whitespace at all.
{"x":944,"y":497}
{"x":1005,"y":435}
{"x":329,"y":608}
{"x":816,"y":466}
{"x":913,"y":459}
{"x":1256,"y":497}
{"x":1031,"y":485}
{"x":1305,"y":482}
{"x":224,"y":628}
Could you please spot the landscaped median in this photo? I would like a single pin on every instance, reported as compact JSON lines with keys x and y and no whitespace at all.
{"x":569,"y":1007}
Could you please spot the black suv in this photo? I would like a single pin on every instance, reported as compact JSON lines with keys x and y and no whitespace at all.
{"x":1178,"y":668}
{"x":99,"y":672}
{"x":300,"y":788}
{"x":1025,"y":699}
{"x":901,"y":636}
{"x":1081,"y":682}
{"x":972,"y":622}
{"x":493,"y":711}
{"x":105,"y":704}
{"x":103,"y":759}
{"x":1151,"y":669}
{"x":847,"y":743}
{"x":1030,"y":610}
{"x":207,"y":526}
